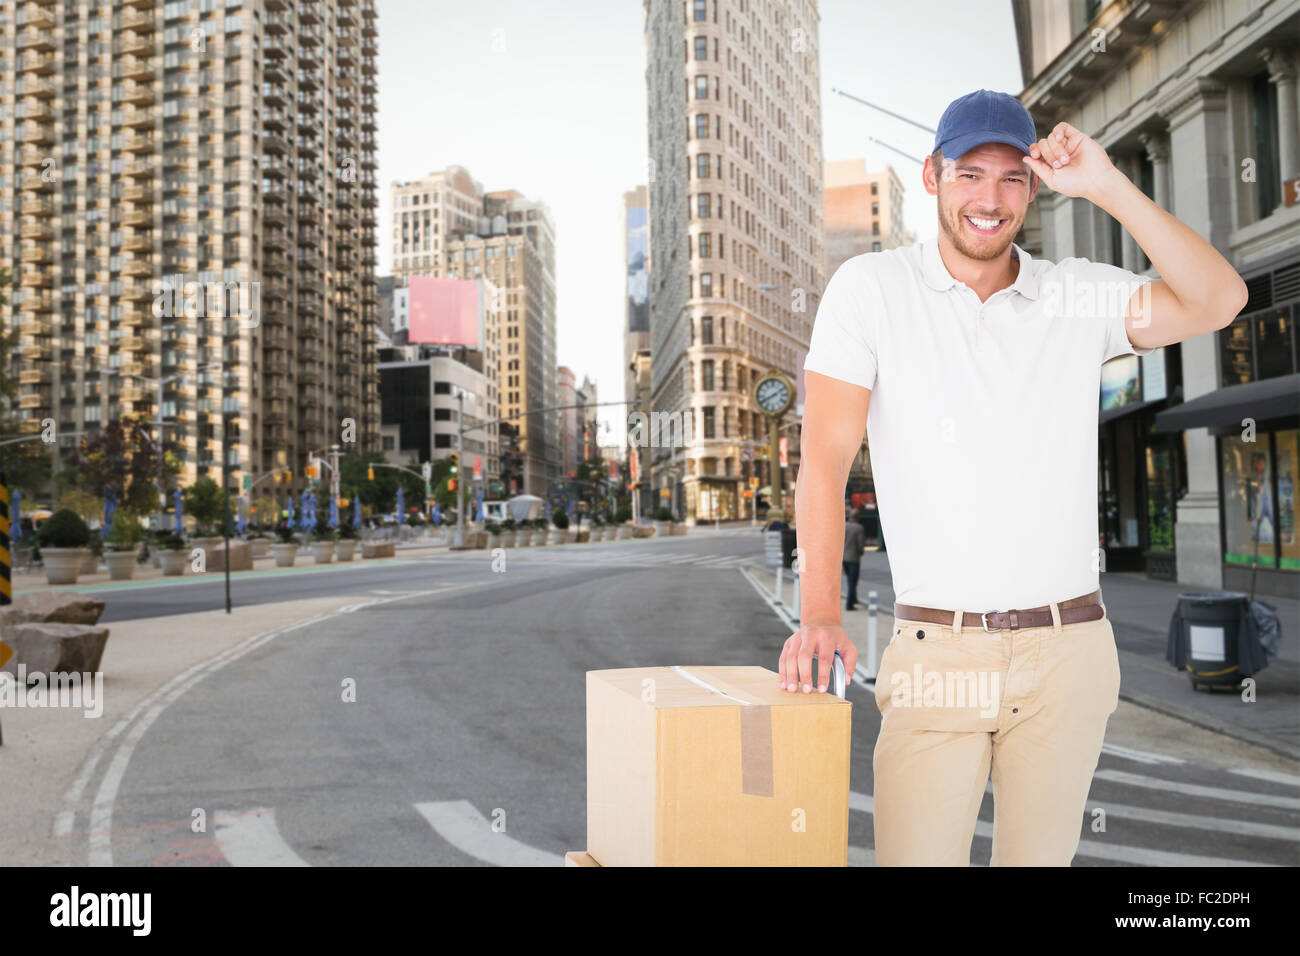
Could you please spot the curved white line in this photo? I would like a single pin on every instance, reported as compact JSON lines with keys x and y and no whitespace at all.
{"x":457,"y":822}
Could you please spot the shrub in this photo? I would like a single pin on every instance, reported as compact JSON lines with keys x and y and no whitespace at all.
{"x":491,"y":527}
{"x":559,"y":519}
{"x":348,"y":531}
{"x":171,"y":542}
{"x":622,"y":515}
{"x":284,"y":532}
{"x":125,"y":532}
{"x":65,"y":529}
{"x":508,"y":524}
{"x":663,"y":513}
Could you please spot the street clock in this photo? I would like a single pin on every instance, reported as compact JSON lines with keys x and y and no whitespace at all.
{"x":774,"y":393}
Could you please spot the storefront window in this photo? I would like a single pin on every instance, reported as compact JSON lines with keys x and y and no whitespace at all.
{"x":1273,"y":331}
{"x":1249,"y":518}
{"x":1234,"y":343}
{"x":1160,"y":499}
{"x":1288,"y":459}
{"x":1119,"y":382}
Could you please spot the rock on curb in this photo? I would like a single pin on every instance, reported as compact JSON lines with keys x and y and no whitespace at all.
{"x":53,"y":608}
{"x":55,"y":648}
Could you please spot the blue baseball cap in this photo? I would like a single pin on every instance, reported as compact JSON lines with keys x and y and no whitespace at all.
{"x":983,"y":117}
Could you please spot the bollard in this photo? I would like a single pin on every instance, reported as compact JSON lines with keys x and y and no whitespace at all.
{"x":6,"y":584}
{"x":794,"y":574}
{"x":779,"y":569}
{"x":871,"y":636}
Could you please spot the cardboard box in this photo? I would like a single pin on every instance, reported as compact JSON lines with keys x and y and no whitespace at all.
{"x":714,"y":766}
{"x":579,"y":858}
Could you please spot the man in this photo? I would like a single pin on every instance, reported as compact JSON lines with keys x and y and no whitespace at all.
{"x":855,"y":542}
{"x":976,"y":372}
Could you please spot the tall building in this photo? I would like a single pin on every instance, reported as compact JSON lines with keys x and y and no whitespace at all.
{"x":426,"y":212}
{"x":1198,"y":107}
{"x":187,"y":204}
{"x":569,"y":420}
{"x":446,"y":225}
{"x":736,"y":231}
{"x":636,"y":253}
{"x":864,"y":211}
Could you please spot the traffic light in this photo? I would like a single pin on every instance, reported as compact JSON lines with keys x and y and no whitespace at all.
{"x":370,"y":472}
{"x":288,"y":475}
{"x":451,"y":484}
{"x":455,"y":462}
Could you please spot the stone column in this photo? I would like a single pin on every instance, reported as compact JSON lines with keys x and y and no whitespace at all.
{"x":1130,"y":254}
{"x":1157,"y":147}
{"x":1282,"y":74}
{"x":1200,"y":195}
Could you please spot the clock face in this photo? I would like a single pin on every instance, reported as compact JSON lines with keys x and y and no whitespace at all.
{"x":772,"y":394}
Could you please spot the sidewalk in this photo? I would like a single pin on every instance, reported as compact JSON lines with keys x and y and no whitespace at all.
{"x":1140,"y":610}
{"x":34,"y":579}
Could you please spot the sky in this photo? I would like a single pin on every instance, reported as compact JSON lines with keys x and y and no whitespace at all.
{"x":549,"y":98}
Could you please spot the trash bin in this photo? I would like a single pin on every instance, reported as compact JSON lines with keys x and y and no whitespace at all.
{"x":1213,"y":637}
{"x":788,"y":538}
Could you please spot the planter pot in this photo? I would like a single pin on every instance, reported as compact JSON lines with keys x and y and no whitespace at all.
{"x":322,"y":552}
{"x":174,"y":562}
{"x":260,"y":547}
{"x":155,"y":556}
{"x":493,"y":541}
{"x":507,"y":539}
{"x":558,"y":536}
{"x":284,"y":554}
{"x":121,"y":565}
{"x":63,"y":565}
{"x":539,"y":537}
{"x":208,"y":543}
{"x":680,"y":527}
{"x":523,"y":537}
{"x":89,"y":562}
{"x":345,"y":550}
{"x":663,"y":528}
{"x":624,"y":531}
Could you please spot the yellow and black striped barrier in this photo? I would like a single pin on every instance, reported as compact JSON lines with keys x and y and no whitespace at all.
{"x":6,"y":584}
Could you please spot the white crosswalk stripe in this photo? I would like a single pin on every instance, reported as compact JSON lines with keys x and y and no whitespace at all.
{"x":1198,"y":790}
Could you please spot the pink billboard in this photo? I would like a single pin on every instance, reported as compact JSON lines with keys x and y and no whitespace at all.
{"x":444,"y":311}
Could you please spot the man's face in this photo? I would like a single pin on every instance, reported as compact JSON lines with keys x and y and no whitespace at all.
{"x":983,"y":197}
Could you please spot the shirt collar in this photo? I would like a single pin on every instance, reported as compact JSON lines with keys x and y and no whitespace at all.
{"x":940,"y":279}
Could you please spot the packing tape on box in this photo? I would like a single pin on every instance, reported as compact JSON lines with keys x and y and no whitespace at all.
{"x":756,"y":777}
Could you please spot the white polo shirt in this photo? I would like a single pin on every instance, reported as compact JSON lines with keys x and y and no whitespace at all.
{"x":982,"y":425}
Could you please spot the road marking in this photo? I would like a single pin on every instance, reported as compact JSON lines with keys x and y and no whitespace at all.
{"x":1273,"y":776}
{"x":139,"y":721}
{"x":1195,"y":821}
{"x":1141,"y":856}
{"x":1141,"y":756}
{"x":253,"y":839}
{"x":457,"y":822}
{"x":1198,"y":790}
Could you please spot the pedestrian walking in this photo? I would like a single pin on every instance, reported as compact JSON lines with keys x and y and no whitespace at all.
{"x":855,"y":542}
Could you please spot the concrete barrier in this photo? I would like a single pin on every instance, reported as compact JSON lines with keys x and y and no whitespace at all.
{"x":378,"y":549}
{"x":55,"y":648}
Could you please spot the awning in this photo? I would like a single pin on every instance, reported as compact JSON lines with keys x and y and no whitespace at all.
{"x":1111,"y":414}
{"x":1270,"y":398}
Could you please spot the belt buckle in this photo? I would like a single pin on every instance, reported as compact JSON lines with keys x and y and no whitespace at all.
{"x":984,"y":619}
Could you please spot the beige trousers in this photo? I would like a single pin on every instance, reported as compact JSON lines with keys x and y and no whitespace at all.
{"x":1033,"y":702}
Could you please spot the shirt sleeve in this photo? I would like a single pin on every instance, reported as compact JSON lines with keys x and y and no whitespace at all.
{"x":843,"y":342}
{"x":1100,"y":292}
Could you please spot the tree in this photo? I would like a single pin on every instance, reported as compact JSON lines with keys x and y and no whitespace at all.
{"x":121,"y":458}
{"x":266,"y":511}
{"x":380,"y":494}
{"x":203,"y":500}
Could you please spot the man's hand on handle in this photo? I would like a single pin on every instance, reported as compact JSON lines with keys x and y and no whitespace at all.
{"x":795,"y":665}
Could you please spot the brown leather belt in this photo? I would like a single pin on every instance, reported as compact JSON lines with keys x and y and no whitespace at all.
{"x":1087,"y":607}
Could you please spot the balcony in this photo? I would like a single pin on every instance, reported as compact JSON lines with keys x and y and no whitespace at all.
{"x":34,"y":228}
{"x":138,"y":93}
{"x":35,"y":279}
{"x":139,"y":143}
{"x":34,"y":38}
{"x":273,"y":143}
{"x":137,"y":217}
{"x":138,"y":195}
{"x":30,"y":86}
{"x":34,"y":401}
{"x":34,"y":376}
{"x":139,"y":244}
{"x":35,"y":252}
{"x":38,"y":349}
{"x":275,"y":218}
{"x":40,"y":64}
{"x":42,"y":134}
{"x":138,"y":22}
{"x":137,"y":67}
{"x":139,"y":168}
{"x":137,"y":268}
{"x":133,"y":343}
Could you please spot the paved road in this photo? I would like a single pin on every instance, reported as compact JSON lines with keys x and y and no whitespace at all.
{"x":469,"y":709}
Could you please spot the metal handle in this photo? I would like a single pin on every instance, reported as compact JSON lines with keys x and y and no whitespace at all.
{"x":837,"y":685}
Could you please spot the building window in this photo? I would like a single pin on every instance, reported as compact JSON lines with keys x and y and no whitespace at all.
{"x":701,"y":48}
{"x":706,"y":285}
{"x":705,"y":246}
{"x":702,"y":205}
{"x":1258,"y":480}
{"x":389,"y":444}
{"x":873,"y":189}
{"x":701,"y":14}
{"x":706,"y":375}
{"x":702,"y":126}
{"x":875,"y":247}
{"x":701,"y":87}
{"x":442,"y":388}
{"x":1268,"y":175}
{"x":1258,"y":346}
{"x":706,"y":330}
{"x":702,"y":166}
{"x":708,"y":422}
